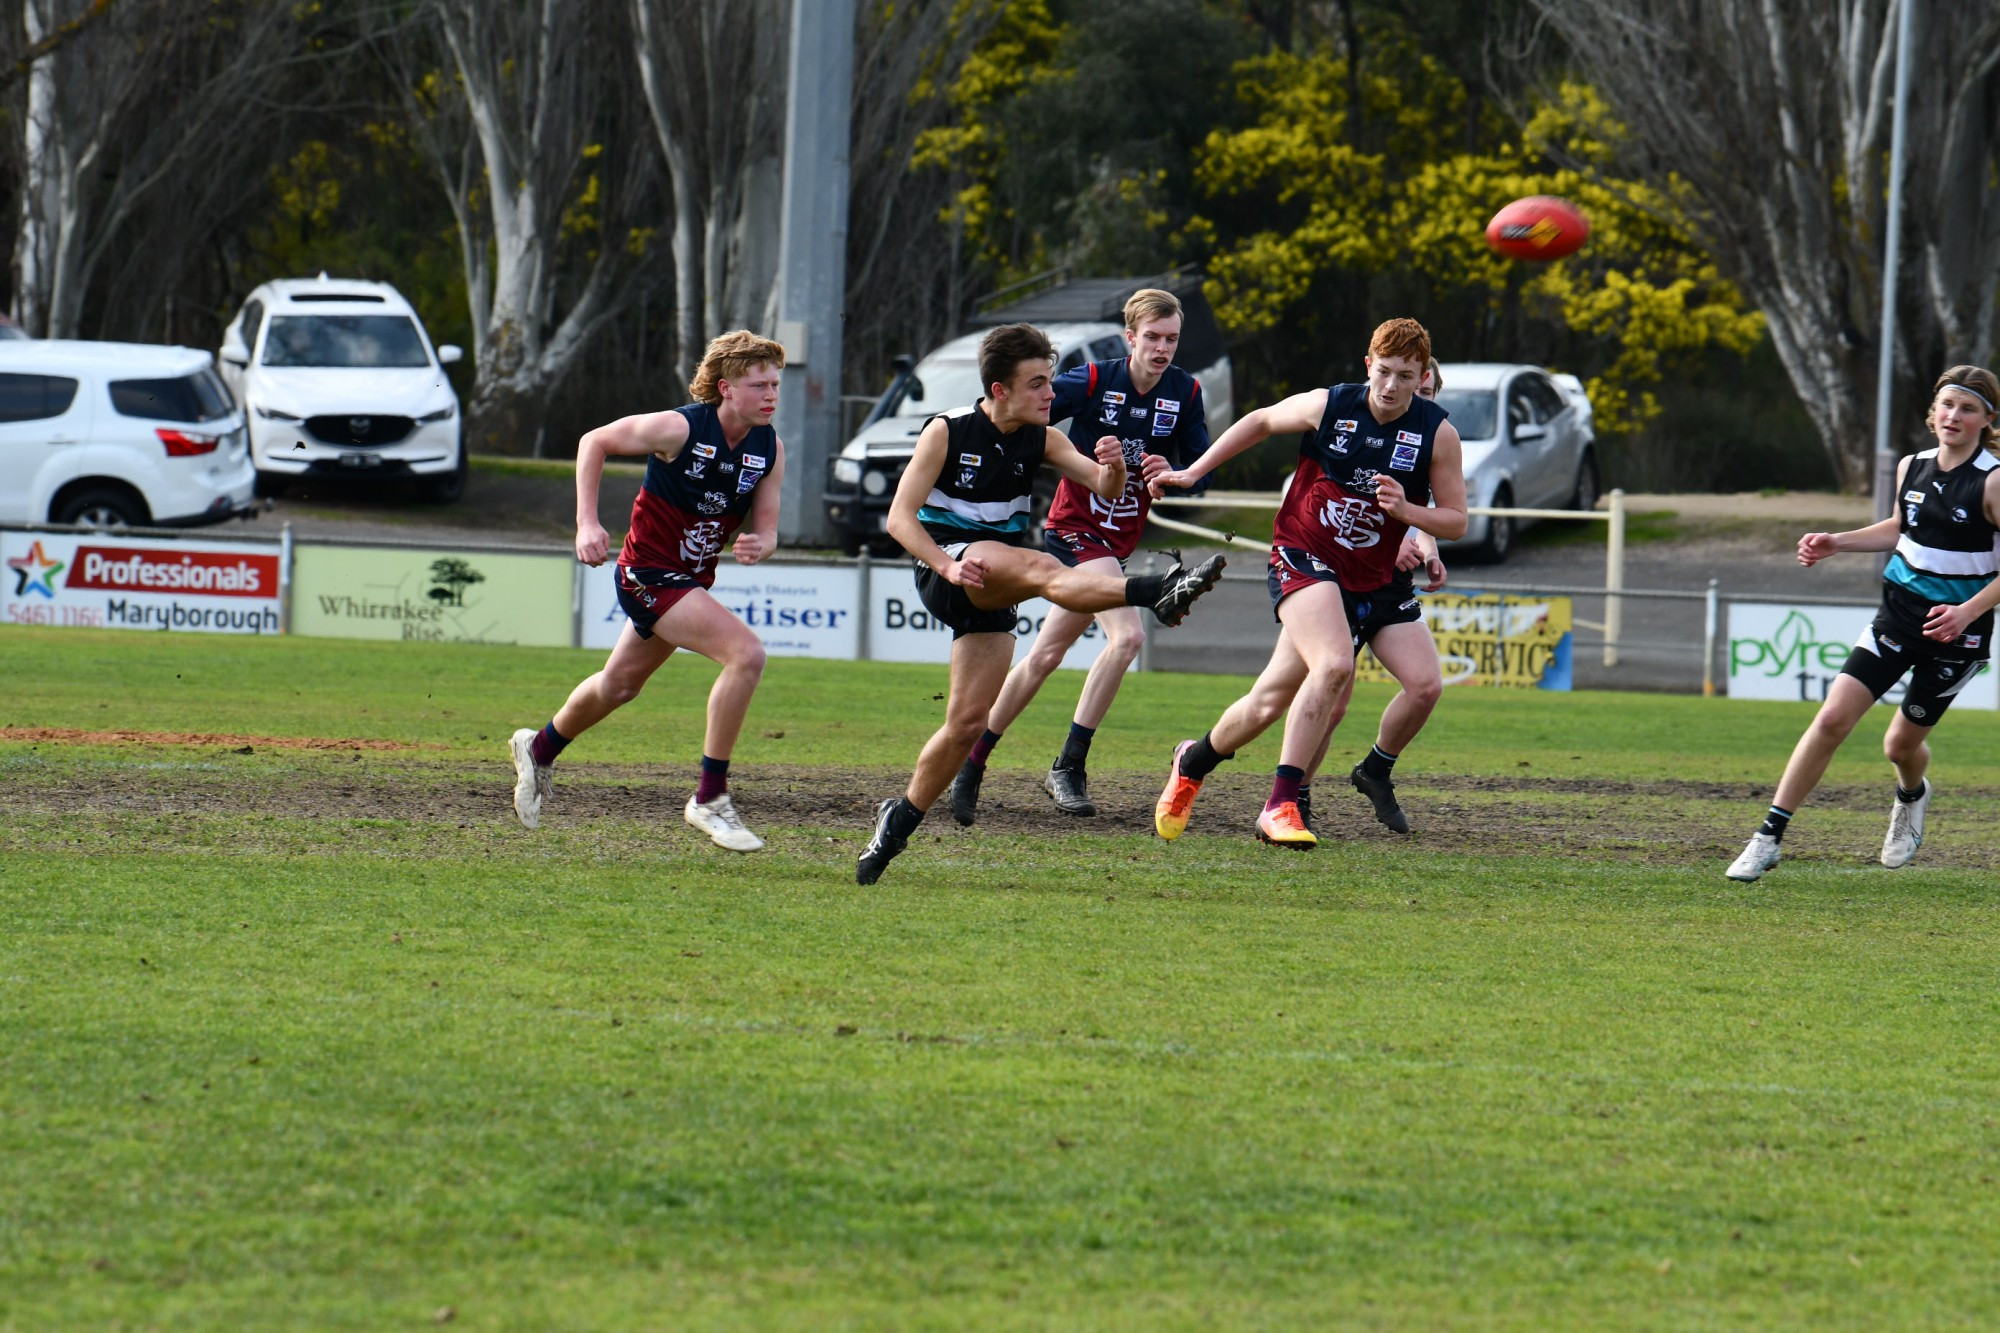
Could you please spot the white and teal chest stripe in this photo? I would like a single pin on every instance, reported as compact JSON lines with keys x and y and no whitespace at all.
{"x":951,"y":511}
{"x":1944,"y":576}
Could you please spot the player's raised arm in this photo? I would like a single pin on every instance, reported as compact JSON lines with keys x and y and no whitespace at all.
{"x":759,"y":535}
{"x":1300,"y":412}
{"x":1817,"y":546}
{"x":663,"y":433}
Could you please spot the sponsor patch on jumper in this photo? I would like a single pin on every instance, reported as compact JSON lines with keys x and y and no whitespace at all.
{"x":1409,"y":437}
{"x":1136,"y":411}
{"x":1167,"y":404}
{"x":1349,"y":426}
{"x":747,"y":480}
{"x":969,"y":460}
{"x":1163,"y":423}
{"x":1971,"y":640}
{"x":1913,"y":497}
{"x":1403,"y":458}
{"x":754,"y":460}
{"x":1115,"y":397}
{"x":704,"y":451}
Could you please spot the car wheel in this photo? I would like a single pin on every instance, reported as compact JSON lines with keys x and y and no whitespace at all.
{"x":101,"y":507}
{"x":1585,"y":495}
{"x":447,"y":488}
{"x":1501,"y":529}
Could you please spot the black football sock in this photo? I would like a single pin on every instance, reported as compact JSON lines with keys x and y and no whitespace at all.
{"x":904,"y":817}
{"x":1076,"y":749}
{"x":1378,"y":762}
{"x":1201,"y":759}
{"x":1905,"y":795}
{"x":1144,"y":589}
{"x":1775,"y":821}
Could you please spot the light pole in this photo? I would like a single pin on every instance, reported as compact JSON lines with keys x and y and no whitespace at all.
{"x":1892,"y":249}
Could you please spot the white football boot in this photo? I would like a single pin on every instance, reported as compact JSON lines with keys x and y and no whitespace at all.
{"x":1906,"y":830}
{"x":718,"y":819}
{"x":533,"y":783}
{"x":1759,"y":856}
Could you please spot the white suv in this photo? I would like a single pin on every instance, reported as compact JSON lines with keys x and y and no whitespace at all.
{"x":118,"y":434}
{"x":339,"y":379}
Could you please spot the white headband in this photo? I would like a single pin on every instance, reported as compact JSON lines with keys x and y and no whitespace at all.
{"x":1966,"y":388}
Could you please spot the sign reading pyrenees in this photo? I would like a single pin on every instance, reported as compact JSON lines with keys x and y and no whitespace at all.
{"x":429,"y":596}
{"x":1794,"y":652}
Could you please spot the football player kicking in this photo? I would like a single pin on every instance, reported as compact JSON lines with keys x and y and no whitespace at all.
{"x":711,"y":467}
{"x":1155,"y":408}
{"x":1936,"y":622}
{"x":1376,"y":461}
{"x":962,"y":512}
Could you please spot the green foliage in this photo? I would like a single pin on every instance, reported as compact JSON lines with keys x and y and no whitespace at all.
{"x":1639,"y":302}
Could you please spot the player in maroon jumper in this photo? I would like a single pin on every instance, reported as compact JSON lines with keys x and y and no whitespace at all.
{"x":714,"y":466}
{"x":1333,"y":577}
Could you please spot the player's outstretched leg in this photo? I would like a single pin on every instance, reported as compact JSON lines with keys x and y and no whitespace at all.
{"x":1847,"y":702}
{"x":634,"y":659}
{"x":1905,"y":744}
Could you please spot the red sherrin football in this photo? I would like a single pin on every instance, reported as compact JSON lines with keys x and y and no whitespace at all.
{"x":1538,"y":227}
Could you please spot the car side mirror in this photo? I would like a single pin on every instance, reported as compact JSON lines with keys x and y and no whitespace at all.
{"x":902,"y":363}
{"x":914,"y":388}
{"x":450,"y":354}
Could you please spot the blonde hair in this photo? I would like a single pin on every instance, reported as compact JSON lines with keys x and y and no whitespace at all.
{"x":1150,"y":303}
{"x":730,"y":357}
{"x":1981,"y":383}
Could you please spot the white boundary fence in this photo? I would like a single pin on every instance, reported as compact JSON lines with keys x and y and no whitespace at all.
{"x":1613,"y":517}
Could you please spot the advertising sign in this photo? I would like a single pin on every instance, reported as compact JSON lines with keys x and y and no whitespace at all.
{"x":797,"y":610}
{"x":1494,"y":639}
{"x":1794,"y":652}
{"x":111,"y":582}
{"x":430,"y":596}
{"x":900,"y":630}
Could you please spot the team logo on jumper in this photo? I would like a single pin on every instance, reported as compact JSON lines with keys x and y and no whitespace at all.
{"x":1408,"y":437}
{"x":1355,"y":523}
{"x":701,"y":543}
{"x":967,"y":478}
{"x":1339,"y":445}
{"x":1167,"y":404}
{"x":1403,"y":457}
{"x":1163,"y":422}
{"x":713,"y":502}
{"x":747,"y":481}
{"x":1110,"y":415}
{"x":1957,"y":515}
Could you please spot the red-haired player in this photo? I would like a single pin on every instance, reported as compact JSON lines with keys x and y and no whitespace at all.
{"x":1377,"y":461}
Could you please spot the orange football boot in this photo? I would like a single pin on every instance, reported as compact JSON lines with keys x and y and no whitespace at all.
{"x":1282,"y":827}
{"x":1170,"y":812}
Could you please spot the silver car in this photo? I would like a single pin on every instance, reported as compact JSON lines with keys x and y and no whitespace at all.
{"x":1528,"y":444}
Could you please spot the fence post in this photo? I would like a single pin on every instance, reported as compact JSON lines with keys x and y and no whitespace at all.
{"x":866,"y":569}
{"x":285,"y":578}
{"x":1614,"y":579}
{"x":1708,"y":644}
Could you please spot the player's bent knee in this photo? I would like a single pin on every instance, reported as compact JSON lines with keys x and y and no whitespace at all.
{"x":1425,"y":693}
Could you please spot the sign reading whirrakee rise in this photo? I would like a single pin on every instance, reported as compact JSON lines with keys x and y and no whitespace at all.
{"x":431,"y":596}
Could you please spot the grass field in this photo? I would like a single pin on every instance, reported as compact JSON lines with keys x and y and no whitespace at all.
{"x":322,"y":1038}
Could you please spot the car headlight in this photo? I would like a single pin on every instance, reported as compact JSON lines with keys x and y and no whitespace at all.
{"x":846,"y":471}
{"x":273,"y":414}
{"x":445,"y":413}
{"x":874,"y":483}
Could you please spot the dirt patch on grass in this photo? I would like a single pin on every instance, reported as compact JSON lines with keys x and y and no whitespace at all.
{"x":77,"y":736}
{"x":1656,"y":822}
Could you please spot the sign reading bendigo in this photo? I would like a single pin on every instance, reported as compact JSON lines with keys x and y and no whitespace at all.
{"x":1493,"y":639}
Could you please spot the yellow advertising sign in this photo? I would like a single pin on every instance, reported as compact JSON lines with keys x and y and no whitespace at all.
{"x":429,"y":596}
{"x":1494,"y":639}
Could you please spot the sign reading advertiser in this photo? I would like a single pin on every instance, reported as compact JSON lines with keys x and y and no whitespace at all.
{"x":797,"y":610}
{"x":431,"y":596}
{"x":108,"y":582}
{"x":1777,"y":651}
{"x":1494,"y":639}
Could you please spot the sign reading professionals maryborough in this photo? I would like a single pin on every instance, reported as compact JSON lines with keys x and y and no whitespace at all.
{"x":104,"y":581}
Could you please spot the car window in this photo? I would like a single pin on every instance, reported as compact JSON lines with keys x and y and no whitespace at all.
{"x":1108,"y":349}
{"x":1548,"y":403}
{"x":197,"y":397}
{"x":253,"y":319}
{"x":355,"y":341}
{"x":12,"y":332}
{"x":1070,"y":360}
{"x":947,"y":384}
{"x":1472,"y":411}
{"x":35,"y":397}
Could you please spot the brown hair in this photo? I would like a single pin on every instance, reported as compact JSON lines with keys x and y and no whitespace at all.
{"x":1005,"y":348}
{"x":1979,"y":381}
{"x":1401,"y":337}
{"x":1150,"y":303}
{"x":730,"y":357}
{"x":1436,"y":372}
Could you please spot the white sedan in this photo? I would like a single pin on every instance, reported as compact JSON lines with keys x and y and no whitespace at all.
{"x":1528,"y":444}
